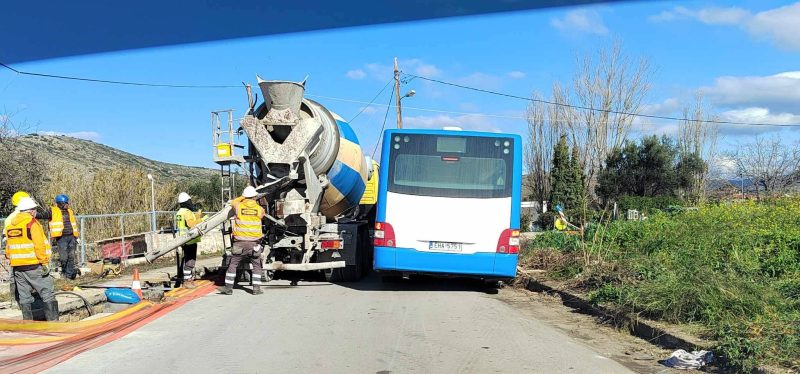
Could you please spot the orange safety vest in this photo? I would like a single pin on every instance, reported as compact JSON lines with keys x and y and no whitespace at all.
{"x":27,"y":244}
{"x":247,"y":226}
{"x":57,"y":222}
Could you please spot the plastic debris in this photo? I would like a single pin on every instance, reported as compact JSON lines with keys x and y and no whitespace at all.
{"x":683,"y":360}
{"x":122,"y":295}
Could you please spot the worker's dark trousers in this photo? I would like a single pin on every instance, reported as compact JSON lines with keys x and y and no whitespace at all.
{"x":66,"y":255}
{"x":247,"y":252}
{"x":189,"y":259}
{"x":29,"y":278}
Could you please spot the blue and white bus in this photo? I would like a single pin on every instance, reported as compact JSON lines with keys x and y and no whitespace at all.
{"x":449,"y":203}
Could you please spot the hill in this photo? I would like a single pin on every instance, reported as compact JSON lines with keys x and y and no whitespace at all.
{"x":91,"y":157}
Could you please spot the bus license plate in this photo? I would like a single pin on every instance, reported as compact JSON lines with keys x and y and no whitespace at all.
{"x":444,"y":247}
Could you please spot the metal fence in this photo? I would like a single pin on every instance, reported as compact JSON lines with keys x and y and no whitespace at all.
{"x":123,"y":233}
{"x":127,"y":231}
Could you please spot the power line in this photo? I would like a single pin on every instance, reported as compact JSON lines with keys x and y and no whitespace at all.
{"x":142,"y":84}
{"x":371,"y":101}
{"x":652,"y":116}
{"x":385,"y":116}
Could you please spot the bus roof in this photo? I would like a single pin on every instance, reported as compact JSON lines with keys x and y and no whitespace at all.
{"x":485,"y":134}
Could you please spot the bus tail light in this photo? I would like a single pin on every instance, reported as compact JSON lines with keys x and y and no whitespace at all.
{"x":509,"y":242}
{"x":384,"y":235}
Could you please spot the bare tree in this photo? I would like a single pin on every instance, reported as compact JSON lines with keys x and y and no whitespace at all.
{"x":697,"y":137}
{"x":614,"y":84}
{"x":772,"y":164}
{"x":543,"y":132}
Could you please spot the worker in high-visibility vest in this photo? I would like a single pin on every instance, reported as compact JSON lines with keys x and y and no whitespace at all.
{"x":186,"y":219}
{"x":28,"y":252}
{"x":64,"y":234}
{"x":247,"y":235}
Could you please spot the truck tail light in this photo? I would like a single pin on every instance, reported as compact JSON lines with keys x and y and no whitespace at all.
{"x":331,"y":244}
{"x":384,"y":235}
{"x":509,"y":242}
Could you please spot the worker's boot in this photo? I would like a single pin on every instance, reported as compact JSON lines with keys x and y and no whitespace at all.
{"x":257,"y":290}
{"x":227,"y":290}
{"x":51,"y":311}
{"x":27,"y":311}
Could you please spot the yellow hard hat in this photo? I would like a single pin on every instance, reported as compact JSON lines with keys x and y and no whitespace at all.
{"x":561,"y":225}
{"x":18,"y":196}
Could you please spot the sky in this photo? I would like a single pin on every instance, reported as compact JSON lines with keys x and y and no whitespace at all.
{"x":744,"y":56}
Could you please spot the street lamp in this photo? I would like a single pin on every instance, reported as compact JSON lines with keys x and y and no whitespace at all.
{"x":152,"y":203}
{"x":399,"y":109}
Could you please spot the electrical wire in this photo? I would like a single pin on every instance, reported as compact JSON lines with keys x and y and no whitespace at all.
{"x":371,"y":101}
{"x":383,"y":126}
{"x":142,"y":84}
{"x":651,"y":116}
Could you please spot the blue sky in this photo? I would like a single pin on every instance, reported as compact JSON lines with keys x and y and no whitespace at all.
{"x":744,"y":56}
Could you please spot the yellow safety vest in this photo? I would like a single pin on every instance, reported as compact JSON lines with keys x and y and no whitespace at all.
{"x":57,"y":222}
{"x":27,"y":244}
{"x":182,"y":219}
{"x":247,"y":226}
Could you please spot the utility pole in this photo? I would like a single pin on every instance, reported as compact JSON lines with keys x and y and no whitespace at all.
{"x":397,"y":94}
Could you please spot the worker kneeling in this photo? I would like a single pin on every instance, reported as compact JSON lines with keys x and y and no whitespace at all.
{"x":29,"y":253}
{"x":247,"y":235}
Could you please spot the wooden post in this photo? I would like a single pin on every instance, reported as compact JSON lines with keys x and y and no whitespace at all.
{"x":397,"y":94}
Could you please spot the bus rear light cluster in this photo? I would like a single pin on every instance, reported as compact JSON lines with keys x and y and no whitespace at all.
{"x":509,"y":242}
{"x":384,"y":235}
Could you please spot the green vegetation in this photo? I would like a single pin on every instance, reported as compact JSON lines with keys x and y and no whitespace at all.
{"x":653,"y":167}
{"x":733,"y":268}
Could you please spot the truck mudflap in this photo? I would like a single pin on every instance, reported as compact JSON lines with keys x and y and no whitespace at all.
{"x":278,"y":265}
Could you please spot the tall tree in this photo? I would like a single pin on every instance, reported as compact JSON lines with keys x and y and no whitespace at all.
{"x":697,"y":141}
{"x":560,"y":174}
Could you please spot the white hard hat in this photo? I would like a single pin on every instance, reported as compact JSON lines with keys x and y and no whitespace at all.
{"x":249,"y":192}
{"x":26,"y":203}
{"x":183,"y":197}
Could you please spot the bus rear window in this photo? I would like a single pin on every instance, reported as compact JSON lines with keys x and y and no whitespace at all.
{"x":451,"y":166}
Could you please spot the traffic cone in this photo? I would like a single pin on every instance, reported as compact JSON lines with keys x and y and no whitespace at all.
{"x":136,"y":286}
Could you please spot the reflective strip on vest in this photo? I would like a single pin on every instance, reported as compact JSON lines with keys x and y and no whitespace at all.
{"x":20,"y":246}
{"x":15,"y":256}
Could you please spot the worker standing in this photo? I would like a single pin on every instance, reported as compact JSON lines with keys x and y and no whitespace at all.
{"x":186,"y":219}
{"x":247,"y":235}
{"x":65,"y":235}
{"x":29,"y":253}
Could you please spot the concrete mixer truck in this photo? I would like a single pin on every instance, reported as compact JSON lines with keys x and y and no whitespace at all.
{"x":310,"y":172}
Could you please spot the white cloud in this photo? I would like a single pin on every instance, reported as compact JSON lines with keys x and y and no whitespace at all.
{"x":779,"y":92}
{"x":580,"y":21}
{"x":86,"y":135}
{"x":481,"y":80}
{"x":711,"y":16}
{"x":516,"y":74}
{"x":780,"y":25}
{"x":414,"y":65}
{"x":368,"y":110}
{"x":665,"y":107}
{"x":466,"y":122}
{"x":356,"y":74}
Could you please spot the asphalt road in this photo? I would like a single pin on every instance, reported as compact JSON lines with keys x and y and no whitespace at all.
{"x":428,"y":326}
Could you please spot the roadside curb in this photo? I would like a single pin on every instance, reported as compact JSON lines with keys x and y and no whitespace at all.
{"x":638,"y":327}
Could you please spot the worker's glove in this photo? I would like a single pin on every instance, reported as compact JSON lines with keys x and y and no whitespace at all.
{"x":78,"y":240}
{"x":45,"y":270}
{"x":257,"y":249}
{"x":228,"y":253}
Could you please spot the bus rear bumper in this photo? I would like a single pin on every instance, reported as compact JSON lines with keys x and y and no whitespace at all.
{"x":482,"y":264}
